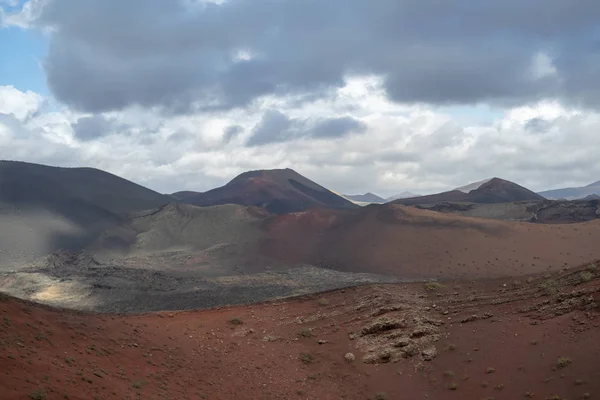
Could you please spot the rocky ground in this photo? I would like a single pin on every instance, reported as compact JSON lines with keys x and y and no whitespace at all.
{"x":535,"y":337}
{"x":137,"y":284}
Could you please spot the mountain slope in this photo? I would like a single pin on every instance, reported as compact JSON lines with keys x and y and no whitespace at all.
{"x":493,"y":190}
{"x":279,"y":191}
{"x":24,"y":183}
{"x":408,"y":242}
{"x":573,"y":193}
{"x":44,"y":208}
{"x":365,"y":198}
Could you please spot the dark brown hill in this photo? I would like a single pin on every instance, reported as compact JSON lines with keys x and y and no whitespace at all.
{"x":44,"y":208}
{"x":279,"y":191}
{"x":495,"y":190}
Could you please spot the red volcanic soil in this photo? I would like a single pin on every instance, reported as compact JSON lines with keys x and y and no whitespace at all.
{"x":500,"y":339}
{"x":413,"y":243}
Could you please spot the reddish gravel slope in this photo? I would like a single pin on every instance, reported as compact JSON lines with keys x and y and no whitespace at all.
{"x":493,"y":339}
{"x":414,"y":243}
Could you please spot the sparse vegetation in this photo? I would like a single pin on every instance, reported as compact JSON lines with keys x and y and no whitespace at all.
{"x":323,"y":302}
{"x":490,"y":370}
{"x":139,"y":384}
{"x":306,"y":358}
{"x":380,"y":396}
{"x":563,"y":362}
{"x":593,"y":268}
{"x":37,"y":395}
{"x":499,"y":386}
{"x":453,"y":386}
{"x":448,"y":374}
{"x":433,"y":286}
{"x":586,"y":276}
{"x":236,"y":321}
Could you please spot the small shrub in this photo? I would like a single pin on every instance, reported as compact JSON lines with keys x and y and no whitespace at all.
{"x":563,"y":362}
{"x":380,"y":396}
{"x":323,"y":302}
{"x":499,"y":386}
{"x":453,"y":386}
{"x":433,"y":286}
{"x":484,"y":384}
{"x":236,"y":321}
{"x":306,"y":358}
{"x":586,"y":276}
{"x":490,"y":370}
{"x":529,"y":395}
{"x":592,"y":268}
{"x":139,"y":384}
{"x":37,"y":395}
{"x":448,"y":374}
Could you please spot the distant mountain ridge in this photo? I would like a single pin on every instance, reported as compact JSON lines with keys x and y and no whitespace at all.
{"x":365,"y":198}
{"x":494,"y":190}
{"x":572,"y":193}
{"x":403,"y":195}
{"x":279,"y":191}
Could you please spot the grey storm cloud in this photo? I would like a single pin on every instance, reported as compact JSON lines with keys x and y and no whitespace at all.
{"x":89,"y":128}
{"x":183,"y":56}
{"x":276,"y":127}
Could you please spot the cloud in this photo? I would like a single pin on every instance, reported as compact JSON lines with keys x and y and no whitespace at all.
{"x":20,"y":104}
{"x":336,"y":127}
{"x":25,"y":17}
{"x":276,"y":127}
{"x":89,"y":128}
{"x":232,"y":132}
{"x":401,"y":148}
{"x":183,"y":56}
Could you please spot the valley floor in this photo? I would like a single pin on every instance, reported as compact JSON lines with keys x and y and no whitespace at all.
{"x":495,"y":339}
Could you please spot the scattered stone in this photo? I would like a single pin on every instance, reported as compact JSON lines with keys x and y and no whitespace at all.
{"x":402,"y":342}
{"x":383,"y":324}
{"x":429,"y":353}
{"x":409,"y":351}
{"x":349,"y":357}
{"x":322,"y":341}
{"x":469,"y":319}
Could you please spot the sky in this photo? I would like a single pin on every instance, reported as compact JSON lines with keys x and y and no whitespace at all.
{"x":386,"y":96}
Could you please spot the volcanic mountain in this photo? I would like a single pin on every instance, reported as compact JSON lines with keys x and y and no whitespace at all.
{"x":573,"y":193}
{"x":43,"y":208}
{"x":364,"y":198}
{"x":279,"y":191}
{"x":494,"y":190}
